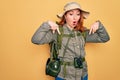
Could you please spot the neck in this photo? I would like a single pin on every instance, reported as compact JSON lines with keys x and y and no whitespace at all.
{"x":69,"y":27}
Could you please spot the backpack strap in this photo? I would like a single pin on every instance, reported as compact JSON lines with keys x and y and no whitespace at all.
{"x":84,"y":34}
{"x":59,"y":37}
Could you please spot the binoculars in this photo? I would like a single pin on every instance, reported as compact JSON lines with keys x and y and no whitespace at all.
{"x":78,"y":62}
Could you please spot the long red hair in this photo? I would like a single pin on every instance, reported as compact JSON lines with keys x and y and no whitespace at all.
{"x":79,"y":26}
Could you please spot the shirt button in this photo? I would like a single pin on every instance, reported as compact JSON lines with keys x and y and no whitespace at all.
{"x":77,"y":46}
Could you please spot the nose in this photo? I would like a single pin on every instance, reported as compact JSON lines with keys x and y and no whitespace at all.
{"x":74,"y":17}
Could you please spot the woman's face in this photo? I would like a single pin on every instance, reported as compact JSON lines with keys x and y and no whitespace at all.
{"x":72,"y":17}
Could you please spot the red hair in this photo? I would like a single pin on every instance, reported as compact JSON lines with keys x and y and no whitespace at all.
{"x":79,"y":26}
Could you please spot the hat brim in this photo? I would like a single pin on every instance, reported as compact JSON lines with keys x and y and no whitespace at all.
{"x":85,"y":14}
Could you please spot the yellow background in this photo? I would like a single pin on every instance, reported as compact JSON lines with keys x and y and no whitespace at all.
{"x":22,"y":60}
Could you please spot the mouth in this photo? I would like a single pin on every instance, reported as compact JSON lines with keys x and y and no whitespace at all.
{"x":74,"y":22}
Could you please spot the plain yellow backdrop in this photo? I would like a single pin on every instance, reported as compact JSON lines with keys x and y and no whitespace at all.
{"x":22,"y":60}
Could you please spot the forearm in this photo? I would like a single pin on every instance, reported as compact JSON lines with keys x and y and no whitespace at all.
{"x":99,"y":36}
{"x":43,"y":34}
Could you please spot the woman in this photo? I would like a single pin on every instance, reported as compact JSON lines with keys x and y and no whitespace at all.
{"x":72,"y":23}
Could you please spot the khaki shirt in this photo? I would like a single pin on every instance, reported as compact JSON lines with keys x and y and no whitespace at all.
{"x":75,"y":47}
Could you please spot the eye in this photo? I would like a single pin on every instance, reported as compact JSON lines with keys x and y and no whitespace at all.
{"x":78,"y":14}
{"x":71,"y":14}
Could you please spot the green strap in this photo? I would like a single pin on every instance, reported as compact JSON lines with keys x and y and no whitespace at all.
{"x":59,"y":42}
{"x":66,"y":46}
{"x":59,"y":37}
{"x":84,"y":34}
{"x":64,"y":69}
{"x":78,"y":34}
{"x":53,"y":50}
{"x":71,"y":35}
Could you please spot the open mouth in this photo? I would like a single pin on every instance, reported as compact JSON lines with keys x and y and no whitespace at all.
{"x":74,"y":22}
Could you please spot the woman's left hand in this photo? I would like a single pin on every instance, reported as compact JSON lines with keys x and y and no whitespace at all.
{"x":94,"y":27}
{"x":54,"y":27}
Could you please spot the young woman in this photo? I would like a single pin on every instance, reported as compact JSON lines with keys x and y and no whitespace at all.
{"x":72,"y":23}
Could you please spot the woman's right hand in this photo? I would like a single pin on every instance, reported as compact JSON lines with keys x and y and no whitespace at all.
{"x":54,"y":26}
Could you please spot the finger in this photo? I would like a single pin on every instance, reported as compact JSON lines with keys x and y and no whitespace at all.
{"x":58,"y":31}
{"x":90,"y":31}
{"x":54,"y":27}
{"x":93,"y":30}
{"x":96,"y":24}
{"x":53,"y":31}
